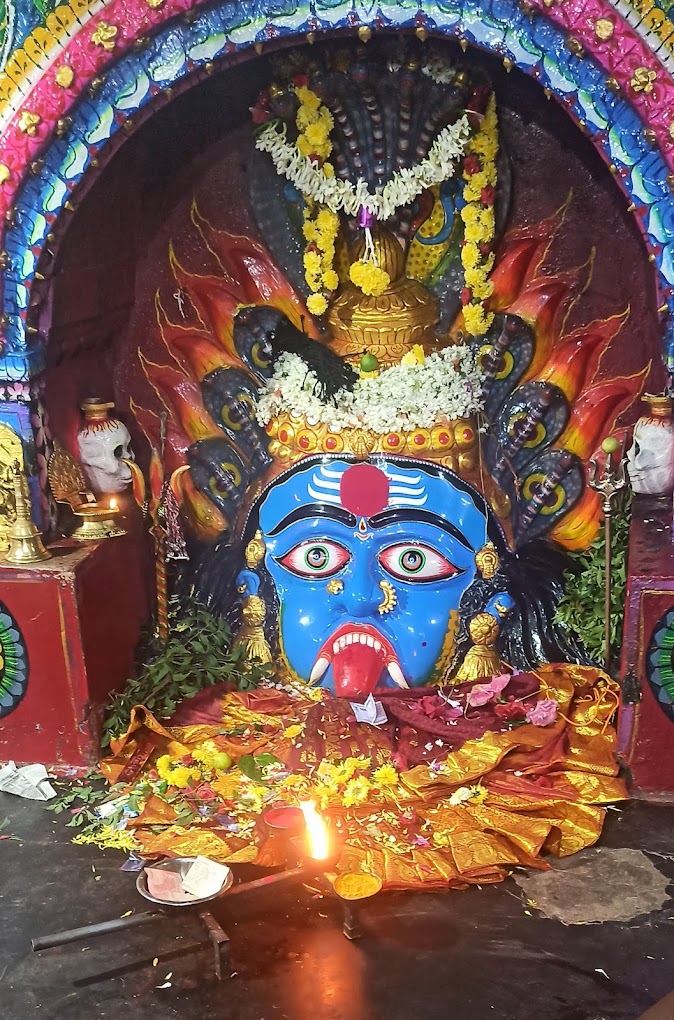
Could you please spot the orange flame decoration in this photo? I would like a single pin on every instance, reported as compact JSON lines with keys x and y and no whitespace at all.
{"x":248,"y":275}
{"x":520,"y":259}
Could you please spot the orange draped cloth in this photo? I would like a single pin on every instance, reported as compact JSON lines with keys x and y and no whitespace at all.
{"x":465,"y":814}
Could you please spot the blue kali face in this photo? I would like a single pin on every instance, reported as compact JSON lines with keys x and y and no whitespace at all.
{"x":369,"y":563}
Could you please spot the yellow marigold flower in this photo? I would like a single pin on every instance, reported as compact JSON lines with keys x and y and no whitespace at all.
{"x":478,"y":794}
{"x":473,"y":278}
{"x":469,"y":214}
{"x":486,"y":218}
{"x":312,"y":262}
{"x":181,"y":776}
{"x":470,"y":255}
{"x":294,"y":780}
{"x":327,"y":221}
{"x":303,"y":145}
{"x":204,"y":752}
{"x":293,"y":731}
{"x":330,"y":279}
{"x":328,"y":170}
{"x":483,"y":290}
{"x":326,"y":770}
{"x":356,"y":791}
{"x":307,"y":97}
{"x":473,"y":232}
{"x":316,"y":134}
{"x":476,"y":320}
{"x":106,"y":838}
{"x":309,"y":230}
{"x":385,"y":776}
{"x":326,"y":118}
{"x":370,"y":278}
{"x":305,"y":116}
{"x":317,"y":304}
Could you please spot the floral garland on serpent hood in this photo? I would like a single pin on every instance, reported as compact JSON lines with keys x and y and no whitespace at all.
{"x":305,"y":163}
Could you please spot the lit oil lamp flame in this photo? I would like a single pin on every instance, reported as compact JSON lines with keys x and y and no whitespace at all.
{"x":317,"y":831}
{"x":113,"y":504}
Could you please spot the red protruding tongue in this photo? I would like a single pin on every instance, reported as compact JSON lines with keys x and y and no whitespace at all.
{"x":357,"y":669}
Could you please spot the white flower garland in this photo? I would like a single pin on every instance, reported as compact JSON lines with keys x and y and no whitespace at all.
{"x":401,"y":398}
{"x":406,"y":184}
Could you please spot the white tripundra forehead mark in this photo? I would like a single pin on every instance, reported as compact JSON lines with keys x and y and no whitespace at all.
{"x":402,"y":478}
{"x":324,"y":490}
{"x":406,"y":491}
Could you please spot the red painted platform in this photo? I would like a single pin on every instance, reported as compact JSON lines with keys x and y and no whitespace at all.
{"x":646,"y":733}
{"x":80,"y":614}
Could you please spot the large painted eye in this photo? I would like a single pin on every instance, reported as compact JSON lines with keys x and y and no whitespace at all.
{"x":315,"y":559}
{"x":409,"y":562}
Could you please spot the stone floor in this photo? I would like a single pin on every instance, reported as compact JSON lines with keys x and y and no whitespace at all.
{"x":471,"y":955}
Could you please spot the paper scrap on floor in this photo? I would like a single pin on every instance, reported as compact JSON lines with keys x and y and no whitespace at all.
{"x":30,"y":782}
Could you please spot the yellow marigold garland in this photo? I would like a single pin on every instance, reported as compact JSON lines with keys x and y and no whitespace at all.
{"x":477,"y":257}
{"x":321,"y":225}
{"x":369,"y":277}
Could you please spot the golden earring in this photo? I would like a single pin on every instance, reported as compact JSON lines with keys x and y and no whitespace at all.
{"x":390,"y":600}
{"x":482,"y":659}
{"x":487,"y":560}
{"x":254,"y":611}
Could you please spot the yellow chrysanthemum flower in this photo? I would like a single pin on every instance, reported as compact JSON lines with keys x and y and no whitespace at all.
{"x":327,"y":221}
{"x":473,"y":232}
{"x":317,"y":304}
{"x":293,"y":731}
{"x":483,"y":290}
{"x":312,"y":262}
{"x":370,"y":278}
{"x":316,"y":134}
{"x":330,"y":279}
{"x":356,"y":791}
{"x":307,"y":97}
{"x":470,"y":255}
{"x":305,"y":117}
{"x":386,"y":775}
{"x":473,"y":278}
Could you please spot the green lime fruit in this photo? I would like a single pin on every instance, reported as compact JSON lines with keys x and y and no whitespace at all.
{"x":222,"y":761}
{"x":610,"y":445}
{"x":369,"y":363}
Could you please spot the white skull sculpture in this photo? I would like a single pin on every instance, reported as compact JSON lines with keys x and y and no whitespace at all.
{"x":650,"y":459}
{"x":102,"y":445}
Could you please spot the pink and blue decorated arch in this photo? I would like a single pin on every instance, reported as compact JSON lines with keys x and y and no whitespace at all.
{"x":48,"y":168}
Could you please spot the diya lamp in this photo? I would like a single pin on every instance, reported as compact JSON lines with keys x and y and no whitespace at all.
{"x":96,"y":519}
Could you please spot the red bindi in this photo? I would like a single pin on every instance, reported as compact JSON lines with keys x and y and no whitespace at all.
{"x":363,"y":490}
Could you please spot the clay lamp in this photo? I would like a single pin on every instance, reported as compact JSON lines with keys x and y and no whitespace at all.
{"x":96,"y":519}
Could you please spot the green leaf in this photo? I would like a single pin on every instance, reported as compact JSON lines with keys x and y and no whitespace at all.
{"x":250,"y":768}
